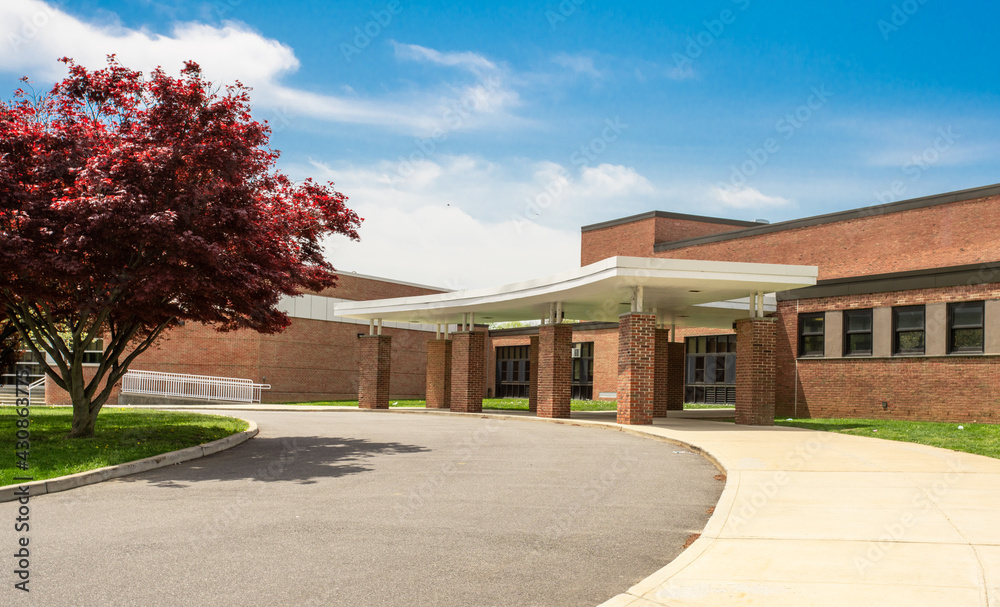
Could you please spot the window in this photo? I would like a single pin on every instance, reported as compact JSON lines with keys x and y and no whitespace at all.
{"x":811,"y":334}
{"x":94,"y":352}
{"x":858,"y":332}
{"x":965,"y":327}
{"x":513,"y":372}
{"x":908,"y":330}
{"x":710,"y":369}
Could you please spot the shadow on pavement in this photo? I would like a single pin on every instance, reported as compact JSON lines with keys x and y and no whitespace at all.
{"x":302,"y":459}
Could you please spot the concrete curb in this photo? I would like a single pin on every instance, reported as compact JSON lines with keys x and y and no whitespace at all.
{"x":90,"y":477}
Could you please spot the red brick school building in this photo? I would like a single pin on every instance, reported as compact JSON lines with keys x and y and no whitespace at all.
{"x":884,"y":311}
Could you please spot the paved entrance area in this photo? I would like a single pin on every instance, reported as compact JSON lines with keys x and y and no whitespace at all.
{"x":826,"y":520}
{"x":370,"y":508}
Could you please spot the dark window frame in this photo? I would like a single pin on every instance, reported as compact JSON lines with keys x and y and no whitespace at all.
{"x":803,"y":335}
{"x":896,"y":331}
{"x":981,"y":327}
{"x":848,"y":332}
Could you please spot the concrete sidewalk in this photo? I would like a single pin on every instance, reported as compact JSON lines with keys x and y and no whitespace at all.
{"x":814,"y":518}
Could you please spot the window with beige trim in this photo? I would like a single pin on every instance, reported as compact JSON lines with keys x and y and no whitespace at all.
{"x":858,"y":332}
{"x":908,"y":330}
{"x":965,"y":327}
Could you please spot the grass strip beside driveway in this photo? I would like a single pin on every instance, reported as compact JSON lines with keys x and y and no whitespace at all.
{"x":980,"y":439}
{"x":122,"y":435}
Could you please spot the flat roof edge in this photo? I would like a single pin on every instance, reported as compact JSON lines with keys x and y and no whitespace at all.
{"x":806,"y":222}
{"x":911,"y":280}
{"x":393,"y":281}
{"x":666,"y":215}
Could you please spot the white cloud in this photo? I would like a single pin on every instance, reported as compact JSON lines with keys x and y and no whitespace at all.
{"x":468,"y":60}
{"x":747,"y":197}
{"x":614,"y":180}
{"x":447,"y":247}
{"x":36,"y":34}
{"x":581,"y":64}
{"x":461,"y":221}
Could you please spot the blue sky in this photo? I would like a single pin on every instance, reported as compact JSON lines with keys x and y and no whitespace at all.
{"x":476,"y":138}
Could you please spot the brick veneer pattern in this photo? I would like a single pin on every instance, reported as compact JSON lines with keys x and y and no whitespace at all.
{"x":933,"y":388}
{"x":661,"y":372}
{"x":439,"y":374}
{"x":755,"y":371}
{"x":555,"y":370}
{"x":675,"y":376}
{"x":468,"y":371}
{"x":374,"y":366}
{"x":636,"y":363}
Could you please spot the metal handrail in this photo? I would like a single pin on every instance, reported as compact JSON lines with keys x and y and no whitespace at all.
{"x":38,"y":383}
{"x":157,"y":383}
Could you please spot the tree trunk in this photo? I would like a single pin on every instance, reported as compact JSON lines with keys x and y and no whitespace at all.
{"x":84,"y":409}
{"x":84,"y":420}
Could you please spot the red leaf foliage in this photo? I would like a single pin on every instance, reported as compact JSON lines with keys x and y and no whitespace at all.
{"x":156,"y":198}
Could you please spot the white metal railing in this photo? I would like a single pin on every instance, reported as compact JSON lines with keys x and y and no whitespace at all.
{"x":155,"y":383}
{"x":38,"y":383}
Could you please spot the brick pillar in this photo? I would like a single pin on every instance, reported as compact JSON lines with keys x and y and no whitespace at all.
{"x":636,"y":358}
{"x":755,"y":371}
{"x":533,"y":374}
{"x":468,"y":371}
{"x":675,"y":376}
{"x":439,"y":374}
{"x":374,"y":356}
{"x":555,"y":370}
{"x":661,"y":373}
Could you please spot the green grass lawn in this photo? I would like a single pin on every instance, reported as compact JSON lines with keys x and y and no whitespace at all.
{"x":122,"y":435}
{"x":981,"y":439}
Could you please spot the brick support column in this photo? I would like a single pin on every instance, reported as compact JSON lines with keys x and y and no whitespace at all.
{"x":755,"y":371}
{"x":374,"y":357}
{"x":555,"y":370}
{"x":636,"y":366}
{"x":439,"y":374}
{"x":468,"y":371}
{"x":533,"y":374}
{"x":675,"y":376}
{"x":661,"y":372}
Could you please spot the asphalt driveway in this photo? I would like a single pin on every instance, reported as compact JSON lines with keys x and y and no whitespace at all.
{"x":371,"y":509}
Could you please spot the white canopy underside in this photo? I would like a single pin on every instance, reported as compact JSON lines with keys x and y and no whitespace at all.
{"x":684,"y":292}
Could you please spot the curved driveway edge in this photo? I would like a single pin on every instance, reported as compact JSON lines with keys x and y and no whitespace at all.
{"x":90,"y":477}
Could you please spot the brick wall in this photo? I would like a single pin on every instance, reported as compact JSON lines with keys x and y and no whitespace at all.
{"x":439,"y":374}
{"x":555,"y":370}
{"x":675,"y":376}
{"x":931,"y":237}
{"x":311,"y":360}
{"x":374,"y":370}
{"x":636,"y":238}
{"x":636,"y":364}
{"x":939,"y":388}
{"x":755,"y":371}
{"x":661,"y":373}
{"x":468,"y":371}
{"x":605,"y":359}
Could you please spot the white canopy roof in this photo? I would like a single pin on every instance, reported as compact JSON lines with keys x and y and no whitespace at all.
{"x":684,"y":292}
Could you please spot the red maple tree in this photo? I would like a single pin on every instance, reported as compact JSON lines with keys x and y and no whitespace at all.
{"x":129,"y":204}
